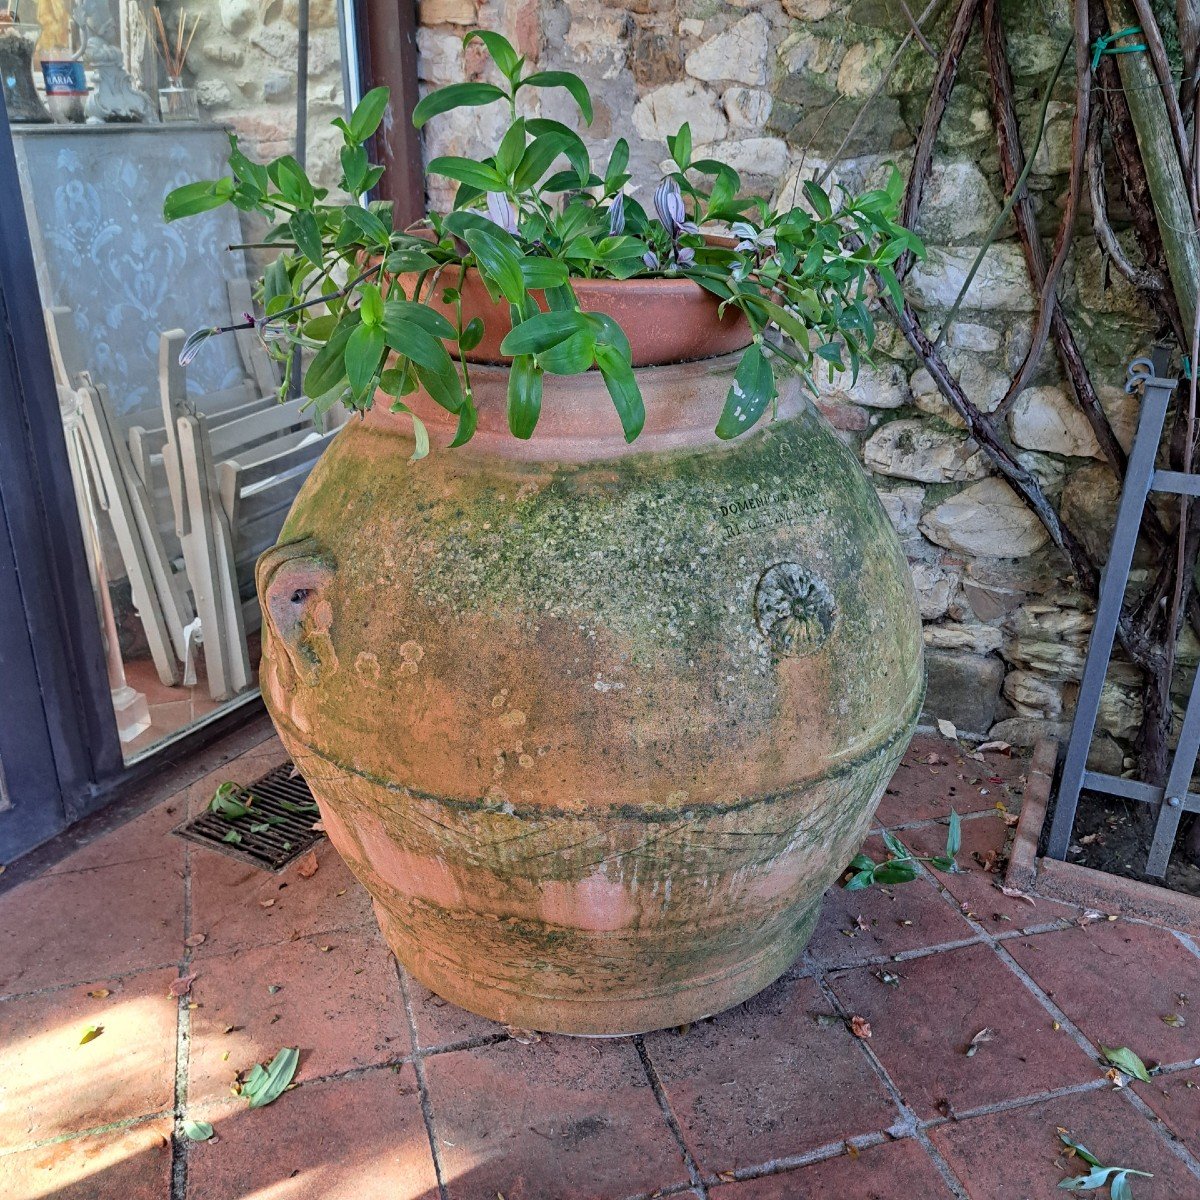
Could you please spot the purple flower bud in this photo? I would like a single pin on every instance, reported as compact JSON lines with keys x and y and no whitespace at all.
{"x":616,"y":215}
{"x":192,"y":346}
{"x":686,"y":256}
{"x":501,"y":211}
{"x":651,"y":260}
{"x":668,"y":203}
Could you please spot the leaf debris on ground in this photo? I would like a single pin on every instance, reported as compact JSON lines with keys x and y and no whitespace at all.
{"x":264,"y":1085}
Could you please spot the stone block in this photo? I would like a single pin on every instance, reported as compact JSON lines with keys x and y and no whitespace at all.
{"x":448,"y":12}
{"x":664,"y":110}
{"x":748,"y":109}
{"x":1046,"y":418}
{"x":1000,"y":285}
{"x":988,"y":519}
{"x":738,"y":55}
{"x":963,"y":689}
{"x":911,"y":449}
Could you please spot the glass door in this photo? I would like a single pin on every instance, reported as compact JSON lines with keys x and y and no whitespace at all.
{"x":181,"y":476}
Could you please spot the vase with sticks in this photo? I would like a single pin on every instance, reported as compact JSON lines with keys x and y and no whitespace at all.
{"x":17,"y":42}
{"x":176,"y":101}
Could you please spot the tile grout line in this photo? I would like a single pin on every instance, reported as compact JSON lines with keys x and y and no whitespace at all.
{"x":792,"y":1162}
{"x":418,"y":1063}
{"x":911,"y":1125}
{"x":72,"y":1135}
{"x":1173,"y":1143}
{"x":664,"y":1104}
{"x":183,"y":1034}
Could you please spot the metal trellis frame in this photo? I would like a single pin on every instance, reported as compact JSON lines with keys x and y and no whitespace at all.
{"x":1141,"y":479}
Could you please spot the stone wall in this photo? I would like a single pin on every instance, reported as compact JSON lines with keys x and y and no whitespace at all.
{"x":772,"y":88}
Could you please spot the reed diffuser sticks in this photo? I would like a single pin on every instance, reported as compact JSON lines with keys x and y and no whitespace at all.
{"x":174,"y":50}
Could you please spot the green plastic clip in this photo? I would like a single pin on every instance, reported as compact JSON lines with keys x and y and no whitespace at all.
{"x":1104,"y":44}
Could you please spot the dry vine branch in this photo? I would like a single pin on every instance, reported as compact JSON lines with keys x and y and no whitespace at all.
{"x":935,"y":110}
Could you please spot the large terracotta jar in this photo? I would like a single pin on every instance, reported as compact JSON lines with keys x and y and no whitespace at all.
{"x":595,"y":724}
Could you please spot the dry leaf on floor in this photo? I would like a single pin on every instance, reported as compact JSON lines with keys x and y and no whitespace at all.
{"x":99,"y":994}
{"x":181,"y":987}
{"x":307,"y":865}
{"x":525,"y":1036}
{"x":984,"y":1035}
{"x":947,"y":729}
{"x":197,"y":939}
{"x":1174,"y":1020}
{"x":1016,"y":894}
{"x":317,"y":827}
{"x":860,"y":1027}
{"x":996,"y":747}
{"x":268,"y":903}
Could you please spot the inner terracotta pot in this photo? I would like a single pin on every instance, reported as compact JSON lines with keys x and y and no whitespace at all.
{"x":666,"y":320}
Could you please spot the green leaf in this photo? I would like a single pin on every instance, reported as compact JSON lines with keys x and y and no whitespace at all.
{"x":232,"y":837}
{"x":1125,"y":1060}
{"x":408,"y":338}
{"x":863,"y":879}
{"x":954,"y":835}
{"x":1095,"y":1178}
{"x":540,"y":333}
{"x":197,"y":1131}
{"x":500,"y":49}
{"x":404,"y":262}
{"x":368,"y":113}
{"x":420,"y":433}
{"x":524,"y":396}
{"x":306,"y":234}
{"x":895,"y":845}
{"x":90,"y":1034}
{"x":861,"y":862}
{"x":538,"y":157}
{"x":942,"y":863}
{"x":328,"y":367}
{"x":363,"y":351}
{"x":478,"y":175}
{"x":292,"y":181}
{"x":680,"y":146}
{"x":1083,"y":1152}
{"x":264,"y":1087}
{"x":542,"y":273}
{"x":444,"y":386}
{"x":420,"y":314}
{"x":365,"y":225}
{"x":456,"y":95}
{"x":511,"y":147}
{"x":563,"y":79}
{"x":617,"y":162}
{"x":572,"y":357}
{"x":195,"y":198}
{"x":371,"y":307}
{"x":818,"y":198}
{"x":472,"y":334}
{"x":227,"y":803}
{"x":622,"y":387}
{"x":468,"y":418}
{"x":753,"y":389}
{"x":896,"y":872}
{"x":499,"y":263}
{"x":1118,"y":1187}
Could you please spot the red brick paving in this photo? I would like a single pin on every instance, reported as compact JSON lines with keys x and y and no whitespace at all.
{"x":395,"y":1084}
{"x":923,"y":1026}
{"x":1116,"y":981}
{"x":884,"y":1172}
{"x":1017,"y":1153}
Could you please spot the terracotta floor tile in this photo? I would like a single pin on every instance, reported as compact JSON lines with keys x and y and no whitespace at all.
{"x":907,"y":916}
{"x":1176,"y":1099}
{"x":884,"y":1172}
{"x":936,"y":776}
{"x":1016,"y":1154}
{"x":566,"y":1118}
{"x":921,"y":1029}
{"x":345,"y":1139}
{"x":228,"y":901}
{"x":122,"y":1164}
{"x":342,"y":1008}
{"x":765,"y":1080}
{"x":1116,"y":981}
{"x":978,"y":889}
{"x":50,"y":1084}
{"x":145,"y":837}
{"x":440,"y":1023}
{"x":81,"y":925}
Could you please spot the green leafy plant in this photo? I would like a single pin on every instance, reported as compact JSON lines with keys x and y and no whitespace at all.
{"x":1117,"y":1178}
{"x":369,"y":303}
{"x":901,"y":867}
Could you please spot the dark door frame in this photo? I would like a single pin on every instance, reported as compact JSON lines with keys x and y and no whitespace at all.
{"x":60,"y":753}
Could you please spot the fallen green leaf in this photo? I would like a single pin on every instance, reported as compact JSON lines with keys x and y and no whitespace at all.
{"x":265,"y":1085}
{"x":1125,"y":1060}
{"x":90,"y":1034}
{"x":197,"y":1131}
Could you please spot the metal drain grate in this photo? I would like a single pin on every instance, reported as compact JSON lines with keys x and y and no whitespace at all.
{"x":277,"y":829}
